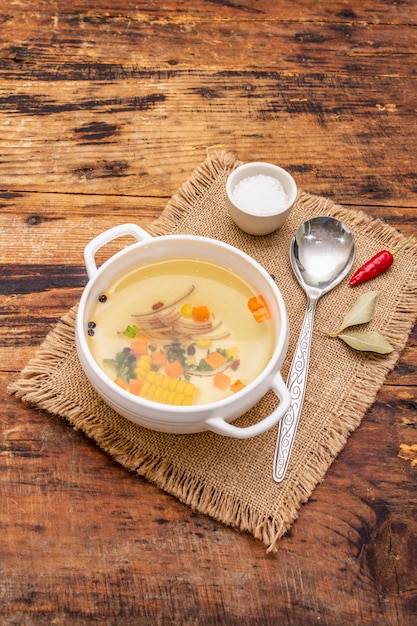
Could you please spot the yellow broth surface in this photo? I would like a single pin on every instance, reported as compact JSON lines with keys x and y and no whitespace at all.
{"x":180,"y":331}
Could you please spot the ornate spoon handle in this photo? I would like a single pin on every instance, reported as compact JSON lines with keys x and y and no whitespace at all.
{"x":296,"y":383}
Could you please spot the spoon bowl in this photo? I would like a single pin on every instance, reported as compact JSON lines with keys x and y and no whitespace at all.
{"x":321,"y":253}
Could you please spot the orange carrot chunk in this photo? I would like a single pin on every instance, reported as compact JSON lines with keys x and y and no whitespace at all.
{"x":158,"y":359}
{"x":262,"y":314}
{"x":259,"y":308}
{"x":139,"y":346}
{"x":135,"y":386}
{"x":121,"y":383}
{"x":256,"y":302}
{"x":215,"y":360}
{"x":221,"y":381}
{"x":237,"y":386}
{"x":174,"y":369}
{"x":200,"y":313}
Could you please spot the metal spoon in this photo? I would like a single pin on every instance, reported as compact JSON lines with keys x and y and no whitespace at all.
{"x":321,"y":253}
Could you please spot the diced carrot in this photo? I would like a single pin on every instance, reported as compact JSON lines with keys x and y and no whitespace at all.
{"x":237,"y":386}
{"x":215,"y":359}
{"x":262,"y":314}
{"x":221,"y":381}
{"x":200,"y":313}
{"x":139,"y":346}
{"x":135,"y":386}
{"x":256,"y":302}
{"x":174,"y":369}
{"x":158,"y":358}
{"x":121,"y":383}
{"x":259,"y":308}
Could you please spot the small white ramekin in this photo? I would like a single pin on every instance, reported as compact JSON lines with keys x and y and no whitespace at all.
{"x":253,"y":221}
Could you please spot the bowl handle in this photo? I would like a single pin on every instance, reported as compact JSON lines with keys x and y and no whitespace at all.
{"x":112,"y":233}
{"x":220,"y":426}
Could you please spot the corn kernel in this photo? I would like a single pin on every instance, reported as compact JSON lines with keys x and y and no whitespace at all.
{"x":171,"y":397}
{"x":187,"y":310}
{"x":232,"y":352}
{"x":164,"y":396}
{"x":203,"y":343}
{"x":151,"y":392}
{"x":189,"y":389}
{"x":172,"y":384}
{"x":151,"y":377}
{"x":179,"y":399}
{"x":181,"y":385}
{"x":159,"y":379}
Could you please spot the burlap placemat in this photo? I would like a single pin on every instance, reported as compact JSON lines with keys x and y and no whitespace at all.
{"x":231,"y":479}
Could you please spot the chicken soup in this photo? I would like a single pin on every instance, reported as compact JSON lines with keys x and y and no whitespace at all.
{"x":181,"y":332}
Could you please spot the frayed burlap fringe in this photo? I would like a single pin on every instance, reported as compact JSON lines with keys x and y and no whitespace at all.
{"x":127,"y":443}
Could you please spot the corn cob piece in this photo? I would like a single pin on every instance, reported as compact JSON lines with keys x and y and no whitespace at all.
{"x":161,"y":388}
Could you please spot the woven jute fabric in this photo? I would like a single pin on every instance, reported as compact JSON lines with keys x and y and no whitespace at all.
{"x":231,"y":479}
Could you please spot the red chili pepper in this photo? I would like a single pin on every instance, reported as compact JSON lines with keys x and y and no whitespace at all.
{"x":376,"y":266}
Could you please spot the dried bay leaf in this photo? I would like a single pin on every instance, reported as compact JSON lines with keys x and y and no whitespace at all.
{"x":367,"y":341}
{"x":362,"y":311}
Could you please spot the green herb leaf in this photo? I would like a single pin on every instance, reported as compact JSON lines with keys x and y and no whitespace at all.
{"x":368,"y":341}
{"x":175,"y":352}
{"x":362,"y":311}
{"x":124,"y":368}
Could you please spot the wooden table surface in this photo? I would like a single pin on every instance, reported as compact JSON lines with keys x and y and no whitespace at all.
{"x":106,"y":108}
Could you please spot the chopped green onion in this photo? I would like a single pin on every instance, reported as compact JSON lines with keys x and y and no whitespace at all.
{"x":131,"y":331}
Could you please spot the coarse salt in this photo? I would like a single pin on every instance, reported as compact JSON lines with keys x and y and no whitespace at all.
{"x":260,"y":195}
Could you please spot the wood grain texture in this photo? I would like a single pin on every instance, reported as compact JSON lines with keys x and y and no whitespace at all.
{"x":105,"y":110}
{"x":112,"y":143}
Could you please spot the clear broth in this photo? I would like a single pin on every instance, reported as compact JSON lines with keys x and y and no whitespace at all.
{"x":158,"y":302}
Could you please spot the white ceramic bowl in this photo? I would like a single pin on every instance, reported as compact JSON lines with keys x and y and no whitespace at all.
{"x":254,"y":216}
{"x":215,"y":416}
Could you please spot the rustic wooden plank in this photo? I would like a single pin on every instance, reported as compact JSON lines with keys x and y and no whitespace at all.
{"x":341,"y":525}
{"x":53,"y":229}
{"x":108,"y":140}
{"x":130,"y":43}
{"x":367,"y":11}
